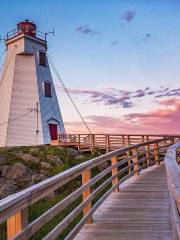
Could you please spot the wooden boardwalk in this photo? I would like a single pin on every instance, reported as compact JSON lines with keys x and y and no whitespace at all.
{"x":146,"y":207}
{"x":140,"y":210}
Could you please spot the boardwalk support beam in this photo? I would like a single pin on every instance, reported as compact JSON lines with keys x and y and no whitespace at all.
{"x":156,"y":154}
{"x":135,"y":161}
{"x":114,"y":160}
{"x":16,"y":223}
{"x":86,"y":177}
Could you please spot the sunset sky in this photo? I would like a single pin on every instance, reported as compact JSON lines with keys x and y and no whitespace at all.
{"x":120,"y":60}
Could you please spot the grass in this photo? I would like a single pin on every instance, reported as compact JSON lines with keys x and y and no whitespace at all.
{"x":35,"y":210}
{"x":43,"y":205}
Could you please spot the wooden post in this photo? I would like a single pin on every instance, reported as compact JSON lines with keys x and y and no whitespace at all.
{"x":156,"y":154}
{"x":107,"y":143}
{"x":93,"y":141}
{"x":70,"y":138}
{"x":129,"y":162}
{"x":148,"y":154}
{"x":143,"y":138}
{"x":86,"y":176}
{"x":114,"y":160}
{"x":147,"y":138}
{"x":135,"y":161}
{"x":59,"y":138}
{"x":16,"y":223}
{"x":172,"y":141}
{"x":128,"y":140}
{"x":79,"y":143}
{"x":123,"y":140}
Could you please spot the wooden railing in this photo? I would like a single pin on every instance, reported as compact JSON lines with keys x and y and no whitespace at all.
{"x":172,"y":161}
{"x":95,"y":188}
{"x":107,"y":142}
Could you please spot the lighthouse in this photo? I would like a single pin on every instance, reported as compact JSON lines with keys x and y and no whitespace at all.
{"x":29,"y":108}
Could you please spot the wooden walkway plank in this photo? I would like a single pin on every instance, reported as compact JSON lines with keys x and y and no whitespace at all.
{"x":139,"y":211}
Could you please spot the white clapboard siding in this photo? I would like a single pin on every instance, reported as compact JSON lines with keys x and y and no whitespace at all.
{"x":21,"y":88}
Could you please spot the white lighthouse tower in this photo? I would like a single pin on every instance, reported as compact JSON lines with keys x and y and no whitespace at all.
{"x":29,"y":108}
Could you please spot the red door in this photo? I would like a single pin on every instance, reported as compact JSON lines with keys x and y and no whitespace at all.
{"x":53,"y":131}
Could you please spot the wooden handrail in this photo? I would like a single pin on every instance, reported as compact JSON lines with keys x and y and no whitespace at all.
{"x":125,"y":163}
{"x":173,"y":179}
{"x":107,"y":142}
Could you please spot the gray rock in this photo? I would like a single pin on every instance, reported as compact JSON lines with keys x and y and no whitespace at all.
{"x":28,"y":157}
{"x":18,"y":172}
{"x":79,"y":157}
{"x":33,"y":149}
{"x":54,"y":159}
{"x":4,"y":168}
{"x":19,"y":154}
{"x":72,"y":152}
{"x":38,"y":178}
{"x":3,"y":160}
{"x":46,"y":165}
{"x":7,"y":187}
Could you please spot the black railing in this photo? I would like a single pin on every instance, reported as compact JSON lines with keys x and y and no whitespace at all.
{"x":16,"y":32}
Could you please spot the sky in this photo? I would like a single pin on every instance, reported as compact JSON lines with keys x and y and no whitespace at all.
{"x":119,"y":59}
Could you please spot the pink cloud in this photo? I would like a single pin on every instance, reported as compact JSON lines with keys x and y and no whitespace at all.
{"x":100,"y":124}
{"x":161,"y":121}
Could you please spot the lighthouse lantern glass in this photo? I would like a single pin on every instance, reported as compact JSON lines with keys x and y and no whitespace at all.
{"x":27,"y":28}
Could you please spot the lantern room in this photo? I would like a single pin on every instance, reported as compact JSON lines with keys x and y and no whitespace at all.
{"x":27,"y":27}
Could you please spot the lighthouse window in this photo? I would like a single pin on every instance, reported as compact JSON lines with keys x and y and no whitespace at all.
{"x":47,"y":89}
{"x":42,"y":59}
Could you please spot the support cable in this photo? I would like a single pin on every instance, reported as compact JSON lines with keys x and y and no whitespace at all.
{"x":19,"y":117}
{"x":8,"y":65}
{"x":1,"y":57}
{"x":67,"y":92}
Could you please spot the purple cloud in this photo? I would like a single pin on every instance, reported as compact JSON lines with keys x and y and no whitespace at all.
{"x":166,"y":92}
{"x":148,"y":35}
{"x":128,"y":15}
{"x":85,"y":29}
{"x":127,"y":104}
{"x":107,"y":98}
{"x":151,"y":92}
{"x":113,"y":97}
{"x":114,"y":43}
{"x":140,"y":93}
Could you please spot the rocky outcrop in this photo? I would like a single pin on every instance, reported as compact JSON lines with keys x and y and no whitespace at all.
{"x":54,"y":160}
{"x":3,"y":160}
{"x":18,"y":172}
{"x":21,"y":167}
{"x":79,"y":157}
{"x":72,"y":152}
{"x":28,"y":157}
{"x":37,"y":177}
{"x":7,"y":187}
{"x":13,"y":178}
{"x":46,"y":165}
